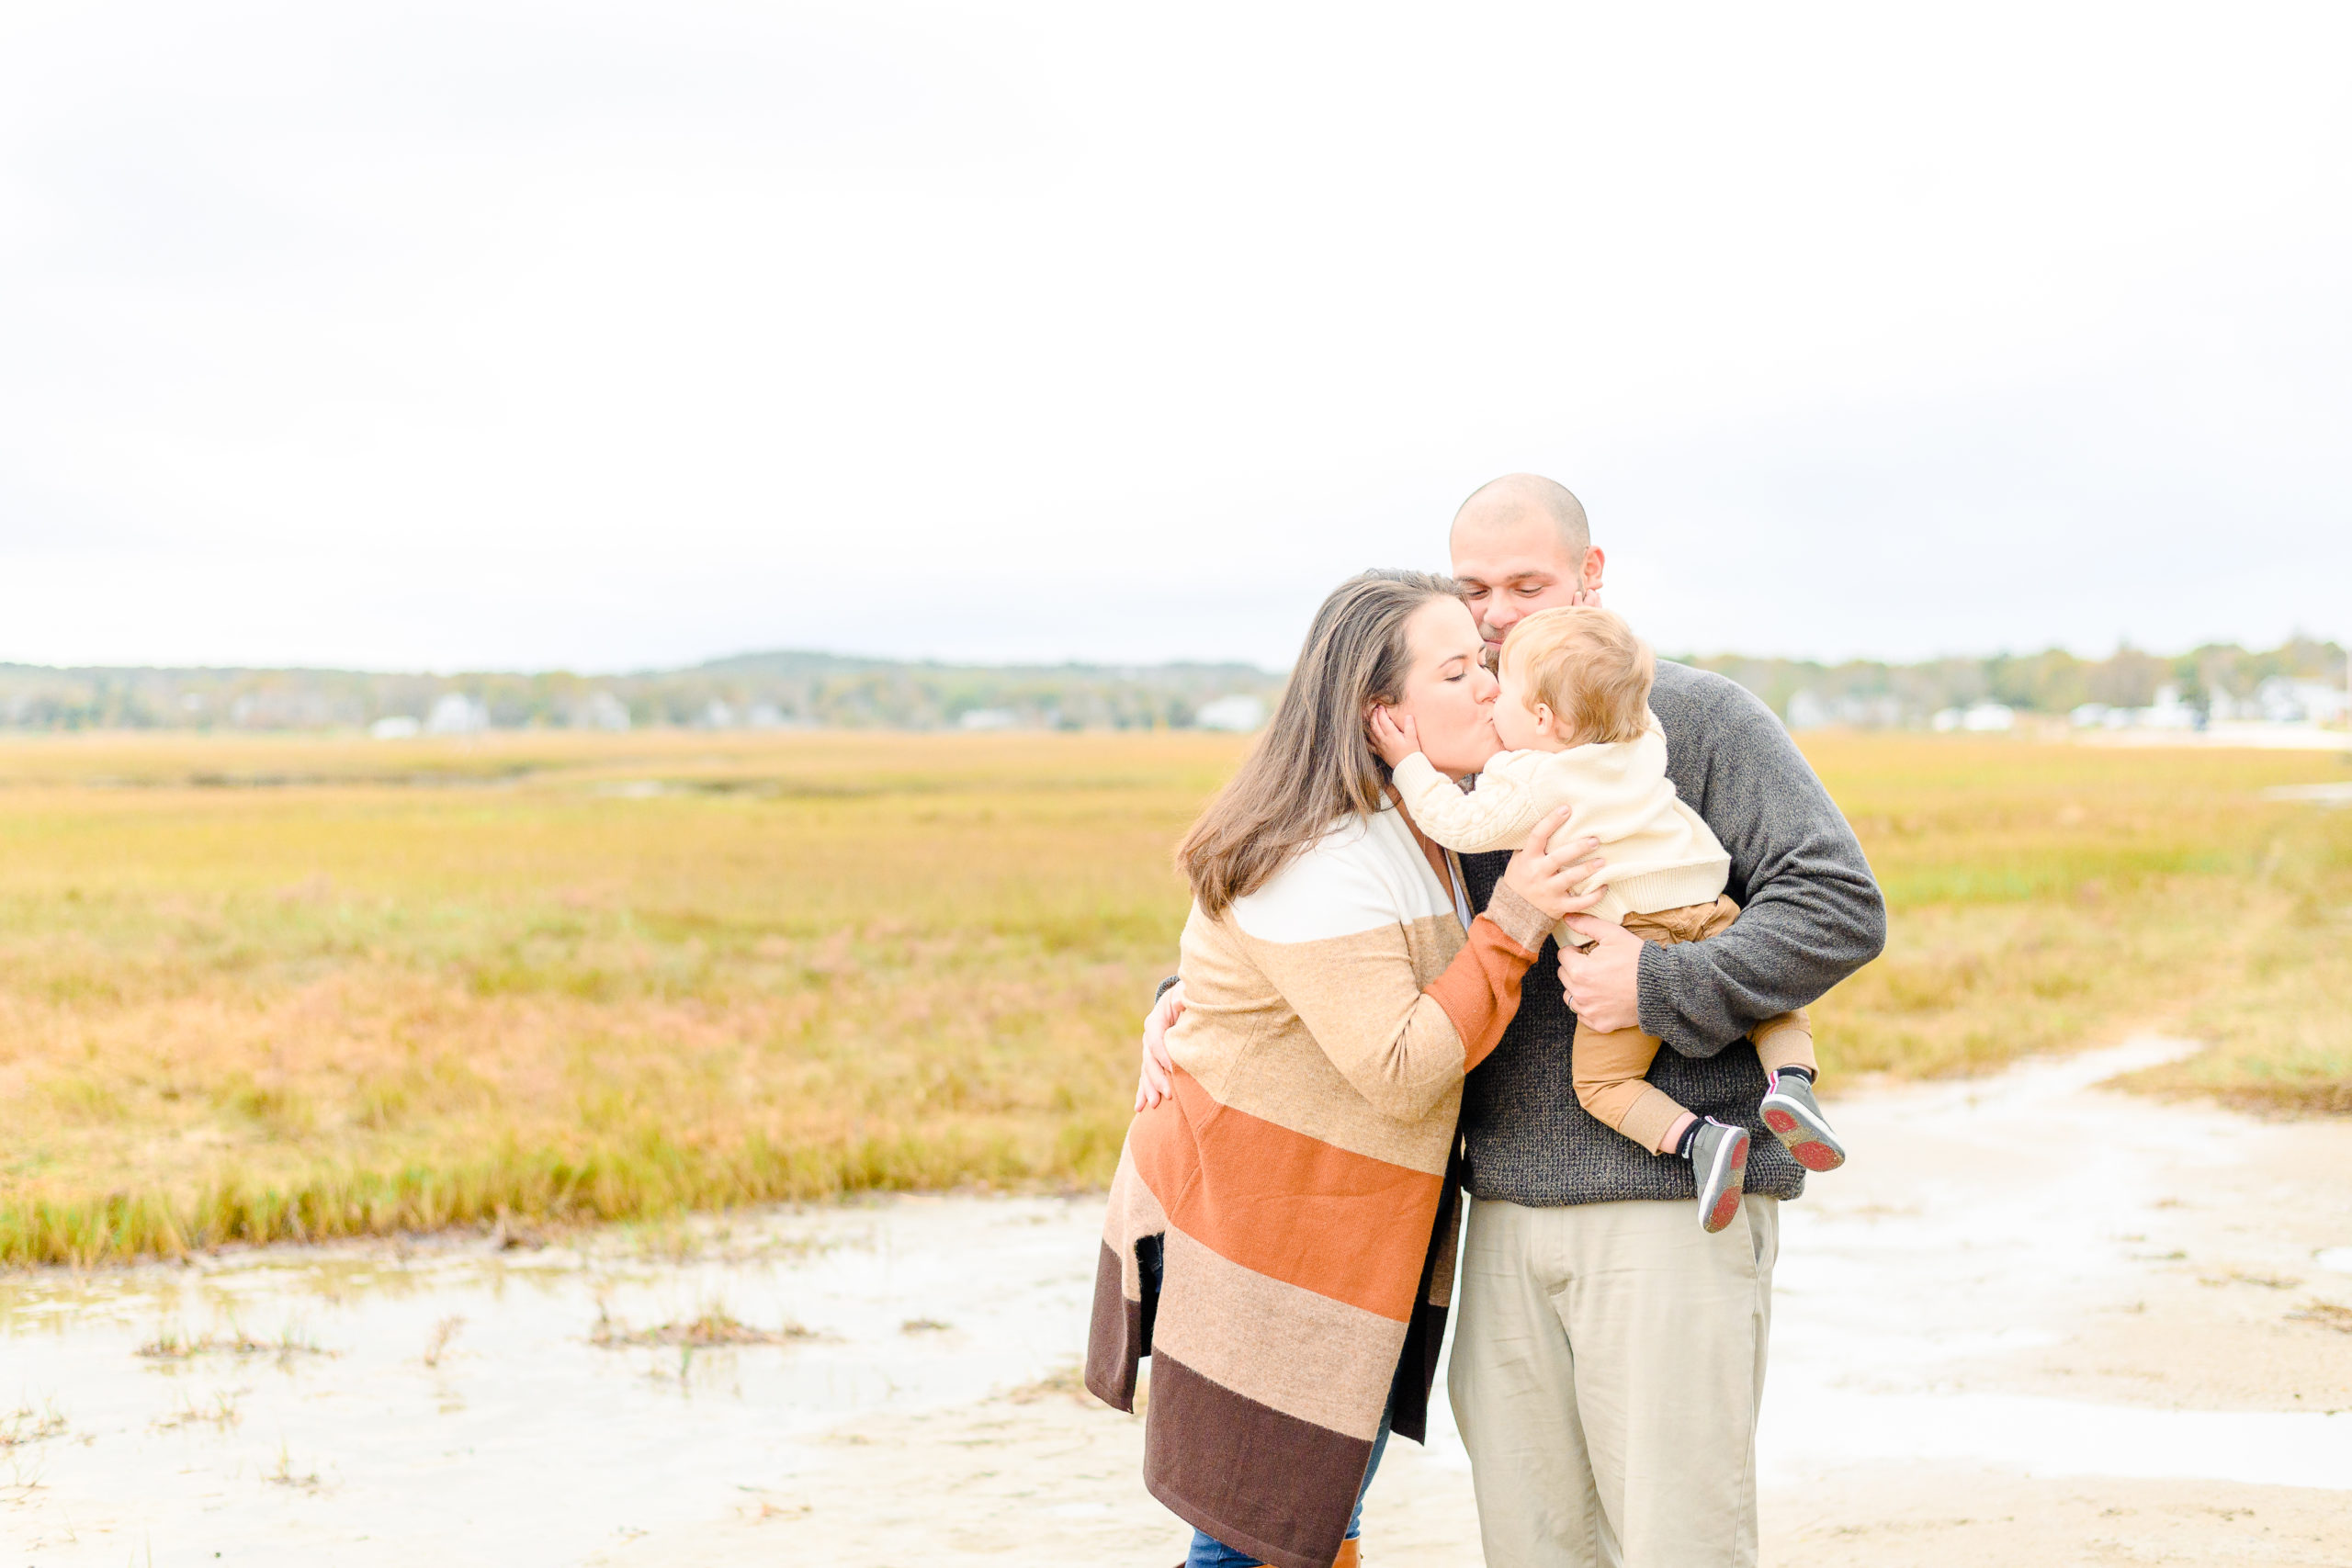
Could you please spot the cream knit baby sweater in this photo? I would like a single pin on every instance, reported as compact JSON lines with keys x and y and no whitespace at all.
{"x":1656,"y":853}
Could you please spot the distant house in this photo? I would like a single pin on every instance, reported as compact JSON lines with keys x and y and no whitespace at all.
{"x":1808,"y":710}
{"x":603,"y":711}
{"x":1238,"y":714}
{"x":988,"y":718}
{"x":2282,"y":699}
{"x":1978,"y":718}
{"x":453,"y":712}
{"x":2168,"y":712}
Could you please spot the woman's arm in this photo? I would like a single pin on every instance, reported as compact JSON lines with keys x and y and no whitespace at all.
{"x":1348,"y":976}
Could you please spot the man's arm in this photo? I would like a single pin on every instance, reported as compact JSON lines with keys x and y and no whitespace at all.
{"x":1811,"y":912}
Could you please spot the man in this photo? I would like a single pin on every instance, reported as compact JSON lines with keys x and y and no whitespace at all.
{"x":1610,"y":1356}
{"x":1609,"y":1360}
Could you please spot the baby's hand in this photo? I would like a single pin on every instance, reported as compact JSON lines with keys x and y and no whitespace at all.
{"x":1393,"y":737}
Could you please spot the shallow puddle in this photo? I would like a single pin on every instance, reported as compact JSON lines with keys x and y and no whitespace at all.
{"x":461,"y":1405}
{"x":1983,"y":1218}
{"x":455,"y":1404}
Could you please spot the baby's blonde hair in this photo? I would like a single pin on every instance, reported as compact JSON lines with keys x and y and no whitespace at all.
{"x":1587,"y":665}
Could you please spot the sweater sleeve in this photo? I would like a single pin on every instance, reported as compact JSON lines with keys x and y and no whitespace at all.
{"x":1402,"y":1047}
{"x":1497,"y":815}
{"x":1811,"y":912}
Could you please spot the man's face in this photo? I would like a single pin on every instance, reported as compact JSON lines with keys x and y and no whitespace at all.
{"x":1511,"y":569}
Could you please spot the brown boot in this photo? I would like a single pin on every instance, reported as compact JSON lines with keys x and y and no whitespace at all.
{"x":1349,"y":1557}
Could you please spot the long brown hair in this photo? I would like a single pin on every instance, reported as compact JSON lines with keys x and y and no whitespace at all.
{"x":1315,"y":764}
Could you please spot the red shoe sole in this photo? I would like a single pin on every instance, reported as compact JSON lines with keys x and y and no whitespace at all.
{"x":1817,"y":1156}
{"x":1725,"y":1207}
{"x":1810,"y":1153}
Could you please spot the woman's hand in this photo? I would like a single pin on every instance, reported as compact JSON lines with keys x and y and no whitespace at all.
{"x":1394,"y":735}
{"x":1152,"y":1084}
{"x":1548,"y":877}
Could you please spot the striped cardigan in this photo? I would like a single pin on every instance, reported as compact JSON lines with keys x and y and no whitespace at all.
{"x":1294,"y":1192}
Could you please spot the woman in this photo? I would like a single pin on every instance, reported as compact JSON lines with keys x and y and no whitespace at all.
{"x":1281,"y":1230}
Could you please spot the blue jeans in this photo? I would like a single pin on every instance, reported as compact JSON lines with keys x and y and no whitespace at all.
{"x":1210,"y":1552}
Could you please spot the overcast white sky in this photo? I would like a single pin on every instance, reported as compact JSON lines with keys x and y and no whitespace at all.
{"x":529,"y":334}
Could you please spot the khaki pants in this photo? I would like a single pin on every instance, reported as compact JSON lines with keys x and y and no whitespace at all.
{"x":1606,"y":1378}
{"x":1611,"y":1069}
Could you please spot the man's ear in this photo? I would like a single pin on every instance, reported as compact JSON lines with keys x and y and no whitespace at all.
{"x":1593,"y":561}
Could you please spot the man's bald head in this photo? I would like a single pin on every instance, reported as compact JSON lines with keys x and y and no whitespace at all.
{"x":1521,"y":544}
{"x":1515,"y":500}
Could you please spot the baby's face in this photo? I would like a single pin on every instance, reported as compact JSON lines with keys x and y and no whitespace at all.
{"x":1514,"y":717}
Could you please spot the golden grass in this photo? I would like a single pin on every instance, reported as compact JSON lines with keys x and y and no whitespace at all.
{"x":2045,"y":896}
{"x":260,"y":989}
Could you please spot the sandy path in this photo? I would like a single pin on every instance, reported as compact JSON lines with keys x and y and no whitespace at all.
{"x":2034,"y":1322}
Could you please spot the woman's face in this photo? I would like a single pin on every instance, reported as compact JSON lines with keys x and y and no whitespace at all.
{"x":1448,"y":694}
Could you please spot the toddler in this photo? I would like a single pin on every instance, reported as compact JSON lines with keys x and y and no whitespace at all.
{"x":1575,"y":715}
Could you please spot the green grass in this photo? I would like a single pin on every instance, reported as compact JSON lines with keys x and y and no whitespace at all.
{"x":261,"y":991}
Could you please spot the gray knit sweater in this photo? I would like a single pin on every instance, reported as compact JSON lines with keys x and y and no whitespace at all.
{"x":1811,"y":914}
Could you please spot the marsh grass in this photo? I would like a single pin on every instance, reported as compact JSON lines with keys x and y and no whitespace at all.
{"x":2045,"y":897}
{"x":712,"y":1328}
{"x":437,"y":1343}
{"x":259,"y":990}
{"x":171,"y":1346}
{"x":284,"y":1474}
{"x":2327,"y":1315}
{"x":1067,"y":1381}
{"x":220,"y":1411}
{"x":25,"y":1424}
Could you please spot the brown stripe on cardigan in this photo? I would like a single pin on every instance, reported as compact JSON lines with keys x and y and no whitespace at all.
{"x":1257,"y":1480}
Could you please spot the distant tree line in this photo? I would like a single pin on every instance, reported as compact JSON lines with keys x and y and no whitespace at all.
{"x":815,"y":690}
{"x":1872,"y":693}
{"x":765,"y":690}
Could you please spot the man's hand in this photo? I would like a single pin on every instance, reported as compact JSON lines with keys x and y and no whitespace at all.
{"x":1396,"y":737}
{"x":1602,"y":984}
{"x":1152,"y":1084}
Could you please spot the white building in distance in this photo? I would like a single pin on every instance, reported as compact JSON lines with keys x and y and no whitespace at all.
{"x":1238,"y":714}
{"x":453,"y":712}
{"x":988,"y":718}
{"x":1979,"y":718}
{"x":603,"y":711}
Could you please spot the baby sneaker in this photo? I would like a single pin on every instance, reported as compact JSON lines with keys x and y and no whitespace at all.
{"x":1719,"y":1163}
{"x":1796,"y":1119}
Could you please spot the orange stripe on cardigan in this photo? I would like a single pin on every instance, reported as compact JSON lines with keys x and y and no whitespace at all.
{"x":1285,"y":1205}
{"x":1479,"y":990}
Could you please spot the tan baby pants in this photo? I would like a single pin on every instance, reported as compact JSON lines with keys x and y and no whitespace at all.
{"x":1608,"y":1067}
